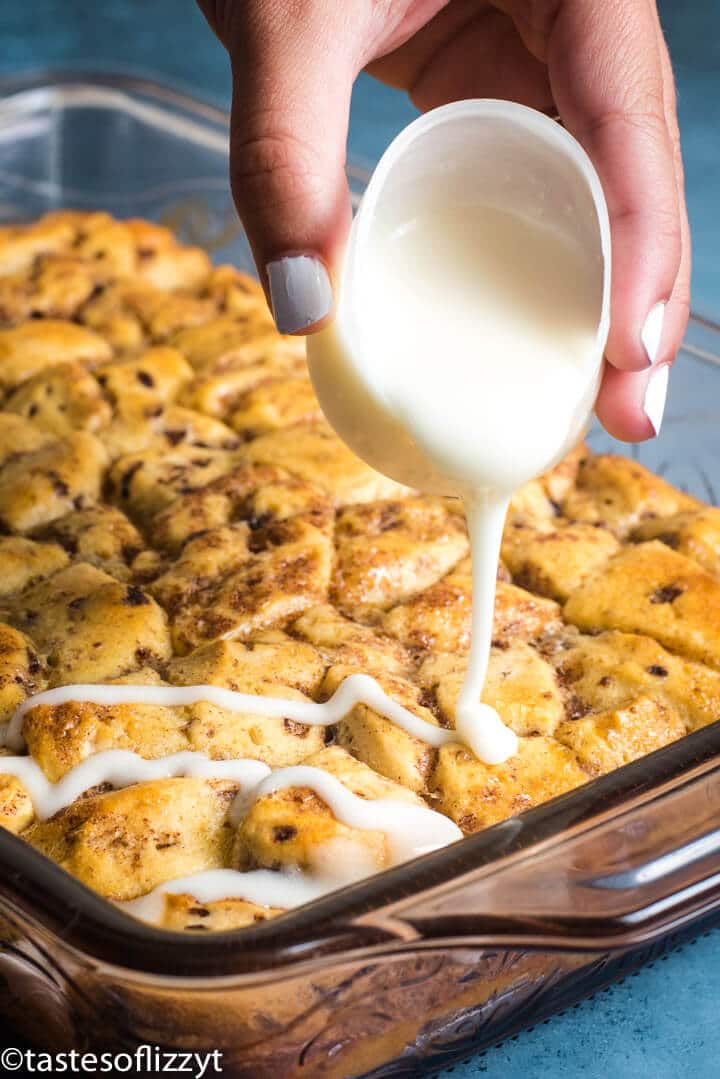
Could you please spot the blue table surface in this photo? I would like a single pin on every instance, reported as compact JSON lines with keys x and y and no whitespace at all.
{"x":663,"y":1021}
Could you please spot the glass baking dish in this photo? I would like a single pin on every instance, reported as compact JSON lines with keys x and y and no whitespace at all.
{"x":414,"y":968}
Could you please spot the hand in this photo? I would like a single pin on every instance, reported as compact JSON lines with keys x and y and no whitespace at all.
{"x":602,"y":65}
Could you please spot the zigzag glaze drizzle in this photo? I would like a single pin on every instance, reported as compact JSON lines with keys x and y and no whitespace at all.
{"x":353,"y":690}
{"x":411,"y":830}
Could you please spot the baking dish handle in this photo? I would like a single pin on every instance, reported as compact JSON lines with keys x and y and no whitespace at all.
{"x":620,"y":878}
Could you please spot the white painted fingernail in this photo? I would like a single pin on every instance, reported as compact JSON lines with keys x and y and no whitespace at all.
{"x":655,"y":394}
{"x":652,"y":331}
{"x":300,"y":292}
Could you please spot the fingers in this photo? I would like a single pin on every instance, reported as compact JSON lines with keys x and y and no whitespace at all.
{"x":292,"y":79}
{"x":631,"y":404}
{"x":678,"y":308}
{"x":607,"y":78}
{"x":469,"y":49}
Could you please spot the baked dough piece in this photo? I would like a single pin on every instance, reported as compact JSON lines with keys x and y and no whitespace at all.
{"x":220,"y":385}
{"x":608,"y":670}
{"x":228,"y":584}
{"x":147,"y":481}
{"x":23,"y":561}
{"x":185,"y":912}
{"x":138,"y":427}
{"x":621,"y":494}
{"x":521,"y":685}
{"x":155,"y":377}
{"x":20,"y":245}
{"x":361,"y":649}
{"x":124,"y":843}
{"x":101,"y":535}
{"x":22,"y":670}
{"x":256,"y":495}
{"x":314,"y":453}
{"x":57,"y":287}
{"x":33,"y":347}
{"x":389,"y":551}
{"x":143,"y":250}
{"x":606,"y":740}
{"x":90,"y":626}
{"x":62,"y":401}
{"x":554,"y":559}
{"x":476,"y":795}
{"x":383,"y":745}
{"x":19,"y":436}
{"x":237,"y":351}
{"x":282,"y":401}
{"x":16,"y":807}
{"x":131,"y":314}
{"x":206,"y":344}
{"x":294,"y":828}
{"x":439,"y":619}
{"x":38,"y":487}
{"x":695,"y":534}
{"x":61,"y":736}
{"x":652,"y":589}
{"x":278,"y":668}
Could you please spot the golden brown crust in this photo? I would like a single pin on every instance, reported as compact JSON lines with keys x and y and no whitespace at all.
{"x":607,"y":740}
{"x":694,"y":533}
{"x":175,"y":510}
{"x":314,"y":453}
{"x":38,"y":487}
{"x":611,"y":669}
{"x":521,"y":685}
{"x":16,"y":807}
{"x":22,"y":670}
{"x":126,"y":842}
{"x":653,"y":590}
{"x":90,"y":626}
{"x":555,"y":559}
{"x":33,"y":347}
{"x":185,"y":912}
{"x":476,"y":795}
{"x":387,"y":552}
{"x":620,"y":494}
{"x":101,"y":535}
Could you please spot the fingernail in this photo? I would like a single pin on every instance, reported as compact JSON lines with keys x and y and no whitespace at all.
{"x":655,"y":394}
{"x":300,"y":292}
{"x":652,"y":331}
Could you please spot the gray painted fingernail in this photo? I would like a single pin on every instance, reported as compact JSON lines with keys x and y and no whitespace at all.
{"x":655,"y":395}
{"x":652,"y":331}
{"x":300,"y":292}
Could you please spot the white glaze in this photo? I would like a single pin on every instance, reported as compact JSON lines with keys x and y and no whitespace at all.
{"x":467,"y":349}
{"x":353,"y":690}
{"x":493,"y":741}
{"x":122,"y":768}
{"x":345,"y":859}
{"x":265,"y":887}
{"x":411,"y":830}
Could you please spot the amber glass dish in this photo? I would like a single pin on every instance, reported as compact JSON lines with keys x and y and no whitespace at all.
{"x":413,"y":968}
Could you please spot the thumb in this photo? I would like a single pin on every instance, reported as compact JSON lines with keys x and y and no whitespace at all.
{"x":292,"y":83}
